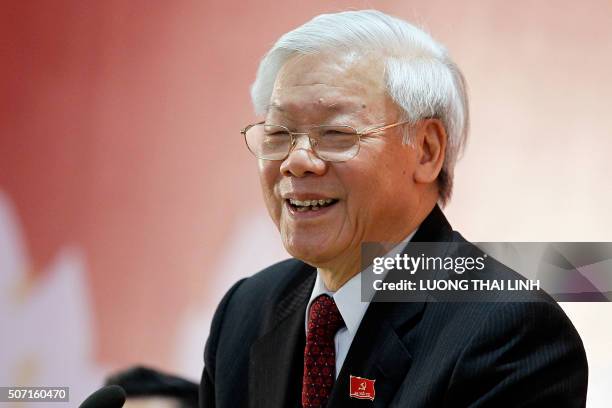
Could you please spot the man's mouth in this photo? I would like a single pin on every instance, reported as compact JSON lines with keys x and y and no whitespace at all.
{"x":310,"y":205}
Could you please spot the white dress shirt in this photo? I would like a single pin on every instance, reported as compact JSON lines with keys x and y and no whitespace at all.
{"x":352,"y":309}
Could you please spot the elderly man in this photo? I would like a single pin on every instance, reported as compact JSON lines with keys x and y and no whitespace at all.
{"x":364,"y":118}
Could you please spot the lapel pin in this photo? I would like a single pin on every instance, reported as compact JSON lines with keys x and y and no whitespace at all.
{"x":362,"y":388}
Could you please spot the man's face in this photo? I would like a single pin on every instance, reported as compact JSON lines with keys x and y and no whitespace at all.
{"x":373,"y":194}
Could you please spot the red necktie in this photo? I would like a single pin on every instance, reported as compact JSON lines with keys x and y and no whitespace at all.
{"x":324,"y":320}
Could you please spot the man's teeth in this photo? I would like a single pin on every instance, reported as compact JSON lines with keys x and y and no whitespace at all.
{"x":307,"y":205}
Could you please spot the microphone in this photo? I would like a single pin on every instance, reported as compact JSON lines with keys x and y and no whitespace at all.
{"x":111,"y":396}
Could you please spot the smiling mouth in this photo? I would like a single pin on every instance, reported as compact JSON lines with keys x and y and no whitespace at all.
{"x":310,"y":205}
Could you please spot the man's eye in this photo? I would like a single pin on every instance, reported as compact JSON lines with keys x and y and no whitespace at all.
{"x":277,"y":135}
{"x":280,"y":138}
{"x":337,"y":133}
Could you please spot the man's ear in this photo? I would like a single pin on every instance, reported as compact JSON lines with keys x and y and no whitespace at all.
{"x":430,"y":139}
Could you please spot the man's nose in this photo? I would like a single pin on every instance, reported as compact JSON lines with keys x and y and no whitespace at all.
{"x":302,"y":160}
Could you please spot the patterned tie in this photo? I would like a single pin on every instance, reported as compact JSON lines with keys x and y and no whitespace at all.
{"x":324,"y":320}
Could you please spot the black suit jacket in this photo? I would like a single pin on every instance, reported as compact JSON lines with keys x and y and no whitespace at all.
{"x":421,"y":354}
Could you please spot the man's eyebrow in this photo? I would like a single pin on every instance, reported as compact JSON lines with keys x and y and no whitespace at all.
{"x":333,"y":106}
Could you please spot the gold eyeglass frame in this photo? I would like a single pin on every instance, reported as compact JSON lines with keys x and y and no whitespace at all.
{"x":313,"y":141}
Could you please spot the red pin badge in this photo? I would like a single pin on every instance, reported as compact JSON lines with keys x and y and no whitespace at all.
{"x":362,"y":388}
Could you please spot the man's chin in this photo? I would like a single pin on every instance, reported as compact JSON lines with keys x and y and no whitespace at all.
{"x":311,"y":254}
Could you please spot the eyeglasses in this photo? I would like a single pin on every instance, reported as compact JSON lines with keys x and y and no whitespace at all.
{"x":329,"y":143}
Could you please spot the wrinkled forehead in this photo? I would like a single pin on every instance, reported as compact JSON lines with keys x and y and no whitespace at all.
{"x":316,"y":87}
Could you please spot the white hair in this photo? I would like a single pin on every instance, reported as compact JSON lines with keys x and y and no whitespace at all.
{"x":419,"y":74}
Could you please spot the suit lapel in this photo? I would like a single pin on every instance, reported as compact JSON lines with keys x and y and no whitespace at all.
{"x":378,"y":351}
{"x":276,"y":360}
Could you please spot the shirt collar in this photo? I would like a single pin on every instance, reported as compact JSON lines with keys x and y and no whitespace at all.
{"x":348,"y":297}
